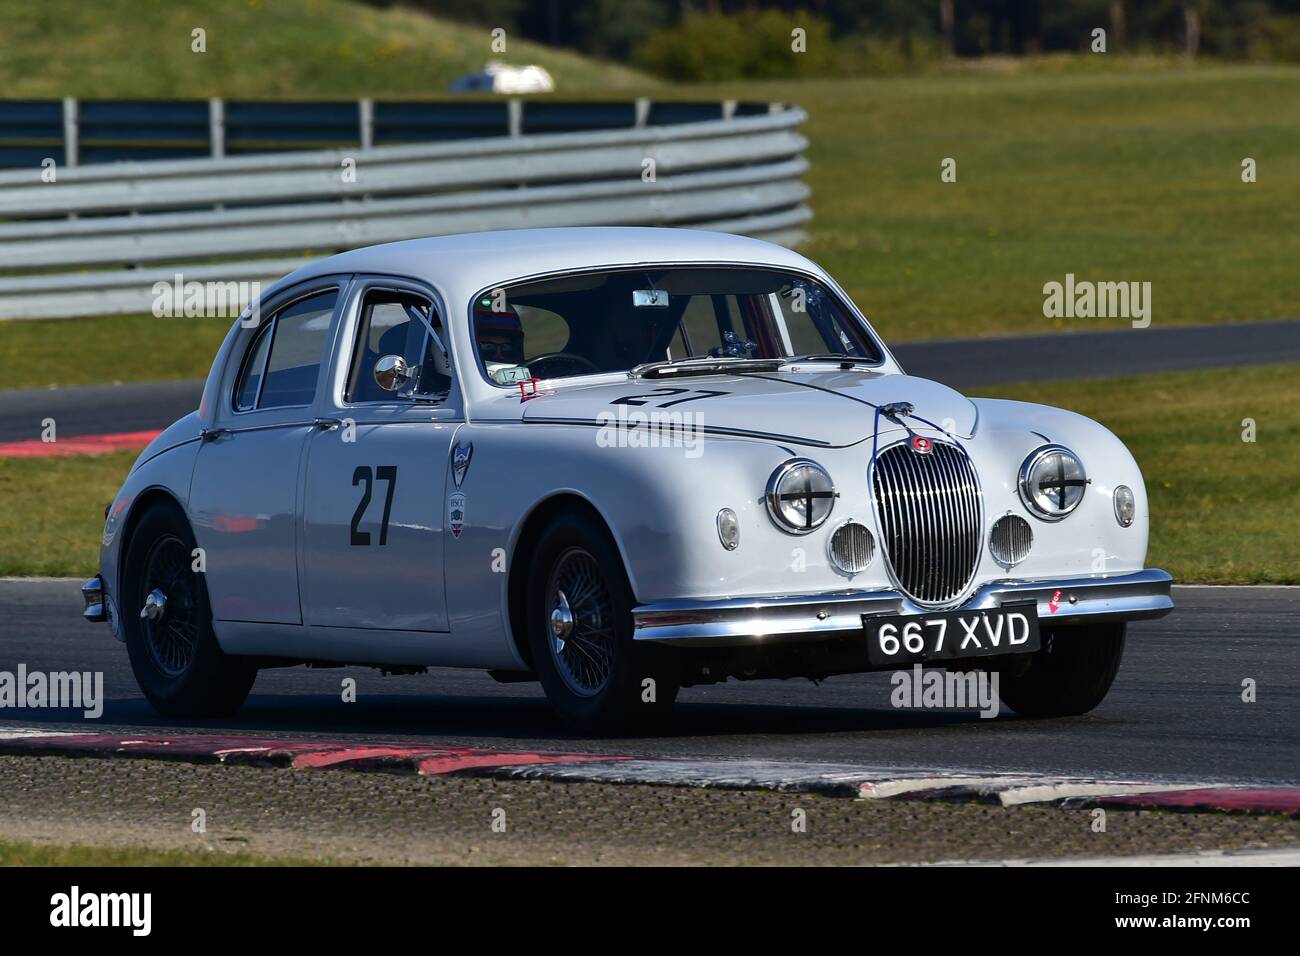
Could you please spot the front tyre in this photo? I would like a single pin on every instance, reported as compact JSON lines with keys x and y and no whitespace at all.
{"x":579,"y":613}
{"x":168,"y":624}
{"x":1069,"y":675}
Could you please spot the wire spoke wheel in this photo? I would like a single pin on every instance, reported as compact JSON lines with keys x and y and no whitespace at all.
{"x":580,"y":622}
{"x":169,"y":616}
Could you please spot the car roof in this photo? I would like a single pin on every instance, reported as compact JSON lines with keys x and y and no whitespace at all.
{"x":475,"y":261}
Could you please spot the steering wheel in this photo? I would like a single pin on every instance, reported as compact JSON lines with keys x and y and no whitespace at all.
{"x":566,"y":364}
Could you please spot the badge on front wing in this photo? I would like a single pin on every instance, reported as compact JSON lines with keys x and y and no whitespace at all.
{"x":460,"y":457}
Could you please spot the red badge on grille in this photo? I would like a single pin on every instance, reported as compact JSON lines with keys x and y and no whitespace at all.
{"x":922,"y":446}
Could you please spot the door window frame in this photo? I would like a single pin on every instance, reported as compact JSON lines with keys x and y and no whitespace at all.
{"x":349,"y":340}
{"x":247,"y":347}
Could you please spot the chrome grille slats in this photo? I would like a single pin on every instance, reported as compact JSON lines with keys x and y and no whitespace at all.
{"x":970,"y":497}
{"x":929,"y":513}
{"x":963,"y":530}
{"x":966,"y":516}
{"x":909,"y":523}
{"x":947,"y":504}
{"x":925,"y":500}
{"x":905,"y":519}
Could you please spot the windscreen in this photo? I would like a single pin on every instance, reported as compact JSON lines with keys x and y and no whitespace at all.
{"x":614,"y":321}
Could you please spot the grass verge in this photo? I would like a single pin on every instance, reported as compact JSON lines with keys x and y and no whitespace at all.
{"x":57,"y":352}
{"x":54,"y":511}
{"x":1223,"y":511}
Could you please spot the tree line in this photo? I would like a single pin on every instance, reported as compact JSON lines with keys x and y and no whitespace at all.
{"x":625,"y":29}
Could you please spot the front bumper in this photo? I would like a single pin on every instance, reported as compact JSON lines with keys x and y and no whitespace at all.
{"x":740,"y":621}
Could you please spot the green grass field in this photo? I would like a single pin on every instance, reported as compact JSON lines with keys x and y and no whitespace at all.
{"x":1122,"y":175}
{"x":59,"y":351}
{"x":1111,"y":170}
{"x":1222,"y":511}
{"x":54,"y":511}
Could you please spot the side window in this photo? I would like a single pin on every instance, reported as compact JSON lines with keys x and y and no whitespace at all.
{"x":250,"y":378}
{"x":393,"y":323}
{"x":284,"y":360}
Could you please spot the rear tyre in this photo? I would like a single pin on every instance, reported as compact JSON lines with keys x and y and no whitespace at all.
{"x":579,"y":613}
{"x":1069,"y":675}
{"x":173,"y":649}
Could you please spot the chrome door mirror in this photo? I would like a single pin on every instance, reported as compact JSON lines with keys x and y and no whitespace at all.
{"x":392,"y":373}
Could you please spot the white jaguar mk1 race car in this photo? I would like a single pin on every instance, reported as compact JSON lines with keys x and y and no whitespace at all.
{"x":618,"y":461}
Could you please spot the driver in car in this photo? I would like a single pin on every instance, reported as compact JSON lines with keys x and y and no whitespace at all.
{"x":500,"y":336}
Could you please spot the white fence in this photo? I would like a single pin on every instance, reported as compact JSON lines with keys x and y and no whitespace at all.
{"x":96,"y":240}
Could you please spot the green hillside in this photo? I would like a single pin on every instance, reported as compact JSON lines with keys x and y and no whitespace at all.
{"x":259,"y":49}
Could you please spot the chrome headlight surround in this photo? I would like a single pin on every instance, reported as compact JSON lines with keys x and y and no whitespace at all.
{"x":1070,"y":472}
{"x":816,"y":491}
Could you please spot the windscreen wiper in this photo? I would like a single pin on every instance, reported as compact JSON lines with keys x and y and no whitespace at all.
{"x":703,"y":366}
{"x":846,"y":361}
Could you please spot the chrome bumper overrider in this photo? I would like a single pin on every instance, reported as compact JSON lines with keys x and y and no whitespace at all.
{"x":93,"y":594}
{"x":716,"y":623}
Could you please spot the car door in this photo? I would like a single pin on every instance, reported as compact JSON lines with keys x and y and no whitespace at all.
{"x":374,"y":490}
{"x":244,"y":494}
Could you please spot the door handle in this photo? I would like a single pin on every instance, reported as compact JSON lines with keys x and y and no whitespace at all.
{"x":327,"y":424}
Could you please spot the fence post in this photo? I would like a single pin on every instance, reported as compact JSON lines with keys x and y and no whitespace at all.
{"x":217,"y":127}
{"x":70,"y":134}
{"x":728,"y":109}
{"x":515,"y":114}
{"x":642,"y":111}
{"x":366,"y":120}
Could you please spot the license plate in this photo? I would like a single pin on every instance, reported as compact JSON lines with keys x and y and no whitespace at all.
{"x":944,"y":635}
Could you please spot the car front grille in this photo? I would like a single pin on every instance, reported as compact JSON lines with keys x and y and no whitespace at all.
{"x":930,"y":512}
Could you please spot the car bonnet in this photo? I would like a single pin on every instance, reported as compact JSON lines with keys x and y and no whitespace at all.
{"x":815,"y":405}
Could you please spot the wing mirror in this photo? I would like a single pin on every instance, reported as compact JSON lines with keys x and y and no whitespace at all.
{"x":393,"y":373}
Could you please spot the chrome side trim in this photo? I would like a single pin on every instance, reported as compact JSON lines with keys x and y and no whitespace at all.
{"x":739,"y":621}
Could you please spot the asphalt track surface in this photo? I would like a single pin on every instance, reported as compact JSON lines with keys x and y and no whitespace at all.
{"x":961,"y":363}
{"x":1175,"y":712}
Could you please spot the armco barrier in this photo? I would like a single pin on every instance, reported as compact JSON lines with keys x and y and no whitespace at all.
{"x":97,"y":239}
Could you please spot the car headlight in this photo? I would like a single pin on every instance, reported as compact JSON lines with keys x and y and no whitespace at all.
{"x":800,"y":496}
{"x":1052,"y":482}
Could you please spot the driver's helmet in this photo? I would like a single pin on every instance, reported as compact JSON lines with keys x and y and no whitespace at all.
{"x":500,"y":334}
